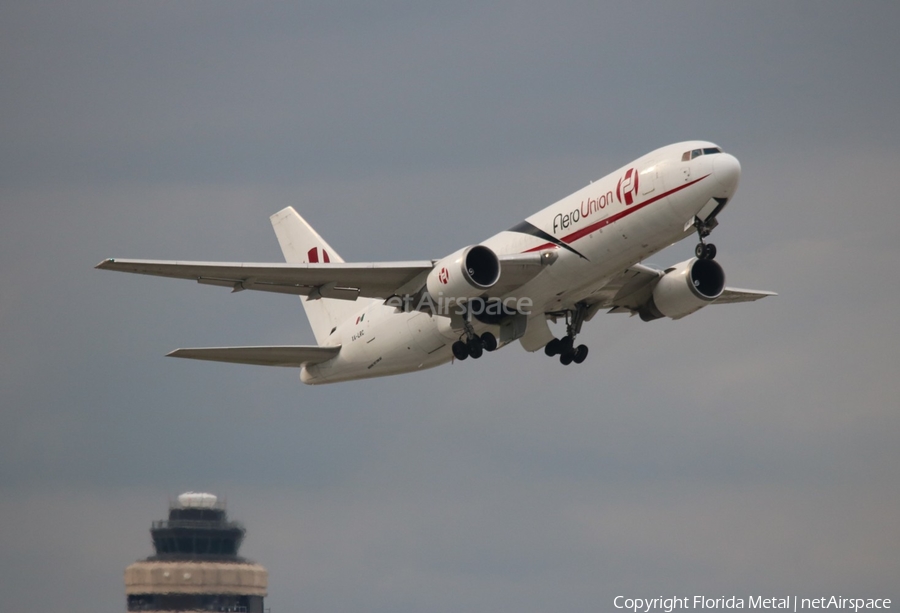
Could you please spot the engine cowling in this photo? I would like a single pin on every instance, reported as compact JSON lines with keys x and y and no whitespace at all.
{"x":687,"y":287}
{"x":466,"y":274}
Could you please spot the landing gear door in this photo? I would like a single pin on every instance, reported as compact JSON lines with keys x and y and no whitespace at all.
{"x":533,"y":334}
{"x":513,"y":327}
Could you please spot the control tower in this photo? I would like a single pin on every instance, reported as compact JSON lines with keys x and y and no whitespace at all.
{"x":196,"y":566}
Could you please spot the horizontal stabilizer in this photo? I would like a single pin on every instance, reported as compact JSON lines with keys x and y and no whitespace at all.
{"x":293,"y":356}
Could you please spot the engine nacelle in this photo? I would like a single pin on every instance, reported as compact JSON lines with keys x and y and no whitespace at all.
{"x":468,"y":273}
{"x":685,"y":288}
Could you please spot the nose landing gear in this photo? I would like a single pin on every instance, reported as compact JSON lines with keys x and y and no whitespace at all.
{"x":565,"y":347}
{"x":704,"y":251}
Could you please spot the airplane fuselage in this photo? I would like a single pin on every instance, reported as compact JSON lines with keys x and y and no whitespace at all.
{"x":596,"y":233}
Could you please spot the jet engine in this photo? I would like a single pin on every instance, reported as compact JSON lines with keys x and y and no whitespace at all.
{"x":468,"y":273}
{"x":685,"y":288}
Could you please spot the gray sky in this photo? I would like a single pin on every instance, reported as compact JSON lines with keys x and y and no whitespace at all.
{"x":745,"y":450}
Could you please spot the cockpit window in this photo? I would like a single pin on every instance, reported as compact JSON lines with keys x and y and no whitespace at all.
{"x":690,"y":155}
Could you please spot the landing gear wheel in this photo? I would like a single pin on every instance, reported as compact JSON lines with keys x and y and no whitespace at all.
{"x":705,"y":251}
{"x":460,"y":350}
{"x":489,"y":341}
{"x":580,"y":354}
{"x":553,"y":348}
{"x":565,"y":347}
{"x":475,"y":347}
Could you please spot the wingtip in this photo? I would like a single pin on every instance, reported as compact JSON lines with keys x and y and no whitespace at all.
{"x":103,"y":263}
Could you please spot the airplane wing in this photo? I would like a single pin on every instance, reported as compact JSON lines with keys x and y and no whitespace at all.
{"x":340,"y":279}
{"x":626,"y":292}
{"x":334,"y":280}
{"x":283,"y":355}
{"x":732,"y":295}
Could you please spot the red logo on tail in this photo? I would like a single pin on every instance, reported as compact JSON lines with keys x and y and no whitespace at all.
{"x":313,"y":255}
{"x":628,"y":186}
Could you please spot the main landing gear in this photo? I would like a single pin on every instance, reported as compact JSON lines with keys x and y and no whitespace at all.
{"x":565,"y":347}
{"x":704,"y":251}
{"x":474,"y":346}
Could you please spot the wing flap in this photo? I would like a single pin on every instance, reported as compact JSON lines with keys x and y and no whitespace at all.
{"x":293,"y":356}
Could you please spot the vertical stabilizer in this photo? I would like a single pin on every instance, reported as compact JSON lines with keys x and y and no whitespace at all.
{"x":301,"y":244}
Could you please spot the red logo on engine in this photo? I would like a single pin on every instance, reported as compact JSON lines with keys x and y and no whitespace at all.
{"x":313,"y":255}
{"x":628,"y":187}
{"x":444,"y":276}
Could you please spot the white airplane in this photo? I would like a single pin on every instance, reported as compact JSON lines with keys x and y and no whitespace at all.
{"x":569,"y":261}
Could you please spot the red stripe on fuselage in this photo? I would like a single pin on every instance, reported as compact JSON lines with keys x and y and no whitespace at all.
{"x":571,"y":238}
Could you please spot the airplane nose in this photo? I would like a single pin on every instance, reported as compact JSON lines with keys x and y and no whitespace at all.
{"x":727,"y":171}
